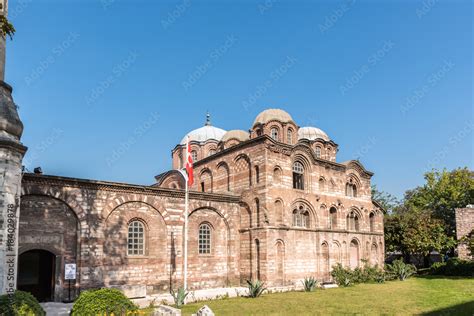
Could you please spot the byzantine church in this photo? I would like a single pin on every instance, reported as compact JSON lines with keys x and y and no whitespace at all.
{"x":271,"y":203}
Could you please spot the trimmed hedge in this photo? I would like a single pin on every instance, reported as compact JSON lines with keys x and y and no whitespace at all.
{"x":453,"y":267}
{"x":103,"y":302}
{"x":21,"y":303}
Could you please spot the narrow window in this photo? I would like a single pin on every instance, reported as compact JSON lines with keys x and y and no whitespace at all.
{"x":257,"y":209}
{"x":136,"y":239}
{"x":259,"y":132}
{"x":180,"y":161}
{"x":301,"y":217}
{"x":332,"y":218}
{"x":274,"y":133}
{"x":194,"y":155}
{"x":204,"y":239}
{"x":372,"y":222}
{"x":298,"y":176}
{"x":317,"y":151}
{"x":257,"y":174}
{"x":203,"y":187}
{"x":322,"y":185}
{"x":289,"y":136}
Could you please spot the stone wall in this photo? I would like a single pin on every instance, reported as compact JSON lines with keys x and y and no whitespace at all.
{"x":464,"y":226}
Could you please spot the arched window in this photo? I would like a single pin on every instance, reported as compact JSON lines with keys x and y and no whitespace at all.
{"x":351,"y":189}
{"x":301,"y":217}
{"x":372,"y":222}
{"x":352,"y":221}
{"x":322,"y":184}
{"x":289,"y":136}
{"x":180,"y":157}
{"x":274,"y":133}
{"x":194,"y":155}
{"x":204,"y":239}
{"x":136,"y":238}
{"x":212,"y":152}
{"x":317,"y":151}
{"x":332,"y":218}
{"x":257,"y":211}
{"x":276,"y":175}
{"x":298,"y":176}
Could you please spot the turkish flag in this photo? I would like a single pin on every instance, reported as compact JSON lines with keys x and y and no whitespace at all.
{"x":189,"y":164}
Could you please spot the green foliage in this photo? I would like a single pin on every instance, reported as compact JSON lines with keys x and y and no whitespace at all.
{"x":453,"y":267}
{"x":6,"y":28}
{"x":386,"y":200}
{"x":342,"y":276}
{"x":20,"y":304}
{"x":309,"y":284}
{"x":400,"y":270}
{"x":179,"y":297}
{"x":443,"y":192}
{"x":367,"y":274}
{"x":103,"y":302}
{"x":256,"y":288}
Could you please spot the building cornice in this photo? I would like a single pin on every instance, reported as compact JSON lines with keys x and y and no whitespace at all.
{"x":30,"y":178}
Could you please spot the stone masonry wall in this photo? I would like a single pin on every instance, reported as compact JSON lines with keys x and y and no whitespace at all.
{"x":464,"y":226}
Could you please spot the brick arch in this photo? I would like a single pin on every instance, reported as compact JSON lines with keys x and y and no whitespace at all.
{"x":55,"y":251}
{"x":207,"y":172}
{"x":223,"y":214}
{"x":242,"y":163}
{"x":151,"y":201}
{"x":314,"y":217}
{"x":60,"y":195}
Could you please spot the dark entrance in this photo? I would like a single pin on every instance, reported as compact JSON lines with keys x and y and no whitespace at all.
{"x":36,"y":274}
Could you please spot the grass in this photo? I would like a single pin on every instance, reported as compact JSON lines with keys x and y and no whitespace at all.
{"x":416,"y":296}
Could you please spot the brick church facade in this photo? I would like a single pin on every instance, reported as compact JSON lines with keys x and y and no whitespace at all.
{"x":270,"y":204}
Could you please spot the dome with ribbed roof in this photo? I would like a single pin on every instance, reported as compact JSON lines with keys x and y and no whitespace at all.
{"x":205,"y":133}
{"x":312,"y":133}
{"x":273,"y":114}
{"x":236,"y":134}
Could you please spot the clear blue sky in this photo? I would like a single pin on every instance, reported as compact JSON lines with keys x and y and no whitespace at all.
{"x":107,"y":88}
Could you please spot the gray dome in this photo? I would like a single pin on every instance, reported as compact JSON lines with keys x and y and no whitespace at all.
{"x":203,"y":134}
{"x":312,"y":133}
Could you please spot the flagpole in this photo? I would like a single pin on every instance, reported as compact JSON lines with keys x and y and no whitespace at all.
{"x":186,"y":209}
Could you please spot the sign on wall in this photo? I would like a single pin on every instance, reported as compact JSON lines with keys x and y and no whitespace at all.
{"x":70,"y":271}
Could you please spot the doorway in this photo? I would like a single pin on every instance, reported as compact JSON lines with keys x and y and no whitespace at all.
{"x":36,"y":274}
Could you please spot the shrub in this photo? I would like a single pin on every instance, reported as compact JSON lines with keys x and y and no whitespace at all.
{"x":342,"y":276}
{"x":310,"y":284}
{"x":453,"y":267}
{"x":400,"y":270}
{"x":256,"y":288}
{"x":103,"y":302}
{"x":21,"y":303}
{"x":179,"y":297}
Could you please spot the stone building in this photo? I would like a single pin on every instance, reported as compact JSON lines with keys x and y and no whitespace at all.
{"x":464,"y":228}
{"x":270,"y":204}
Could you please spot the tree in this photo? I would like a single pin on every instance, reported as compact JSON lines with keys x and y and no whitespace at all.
{"x":443,"y":192}
{"x":388,"y":201}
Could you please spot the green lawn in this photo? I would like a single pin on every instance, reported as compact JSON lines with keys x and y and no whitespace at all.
{"x":425,"y":296}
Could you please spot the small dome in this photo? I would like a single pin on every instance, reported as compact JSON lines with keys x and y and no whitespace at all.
{"x":312,"y":133}
{"x":203,"y":134}
{"x":237,"y":134}
{"x":273,"y":114}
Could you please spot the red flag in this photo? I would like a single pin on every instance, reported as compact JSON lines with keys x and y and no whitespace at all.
{"x":189,"y":164}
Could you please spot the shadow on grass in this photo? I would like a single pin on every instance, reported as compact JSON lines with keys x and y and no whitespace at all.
{"x":446,"y":277}
{"x":458,"y":310}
